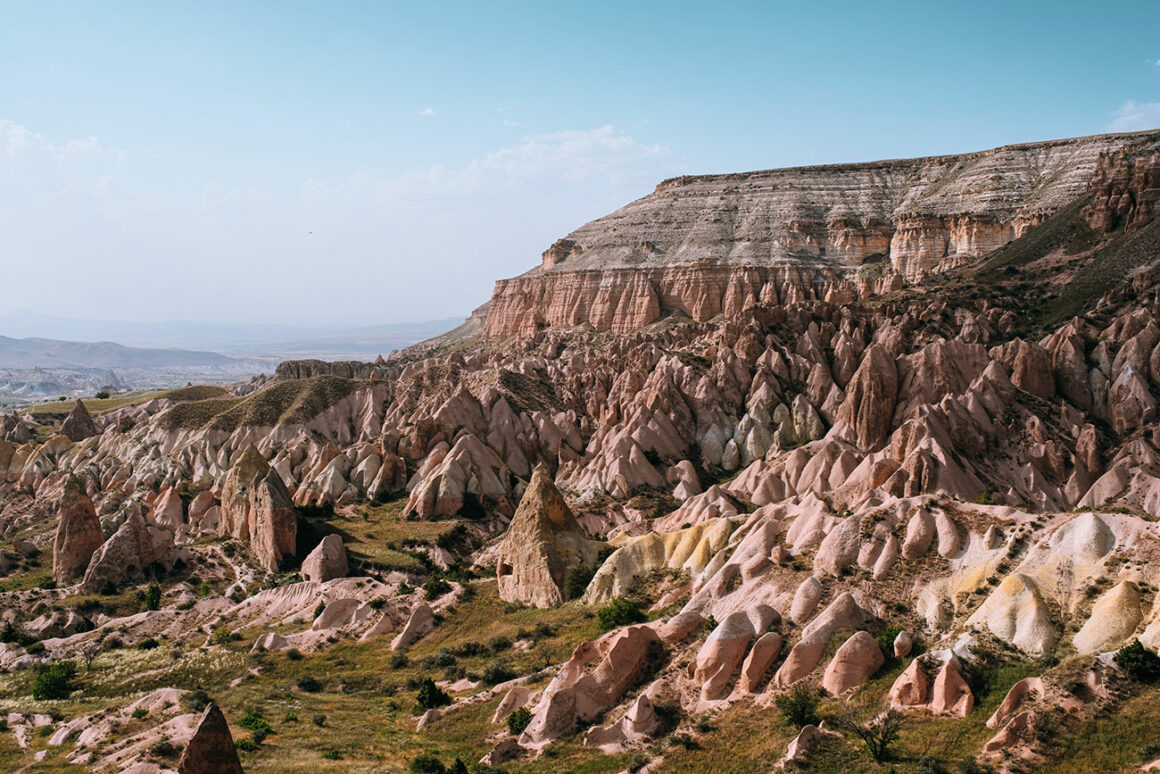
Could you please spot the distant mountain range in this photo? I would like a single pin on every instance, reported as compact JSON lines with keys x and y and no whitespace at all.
{"x":51,"y":353}
{"x":327,"y":342}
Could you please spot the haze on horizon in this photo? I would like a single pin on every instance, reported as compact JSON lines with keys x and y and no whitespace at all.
{"x":380,"y":163}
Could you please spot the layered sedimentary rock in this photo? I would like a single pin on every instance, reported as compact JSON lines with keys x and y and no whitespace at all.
{"x":710,"y":244}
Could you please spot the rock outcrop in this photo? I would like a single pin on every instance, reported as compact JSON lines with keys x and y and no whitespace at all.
{"x":326,"y":561}
{"x":543,"y":544}
{"x":211,"y":748}
{"x":78,"y":533}
{"x":79,"y":424}
{"x":257,"y":509}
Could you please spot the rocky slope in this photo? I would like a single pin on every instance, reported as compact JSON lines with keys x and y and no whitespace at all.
{"x":937,"y":494}
{"x":706,"y":245}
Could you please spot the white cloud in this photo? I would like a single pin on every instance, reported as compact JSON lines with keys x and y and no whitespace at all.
{"x":428,"y":111}
{"x":1134,"y":116}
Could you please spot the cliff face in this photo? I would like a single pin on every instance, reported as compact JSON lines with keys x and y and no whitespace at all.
{"x":700,"y":245}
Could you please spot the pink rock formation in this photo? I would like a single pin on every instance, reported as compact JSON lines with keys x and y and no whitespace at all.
{"x":257,"y":509}
{"x":78,"y":533}
{"x":855,"y":661}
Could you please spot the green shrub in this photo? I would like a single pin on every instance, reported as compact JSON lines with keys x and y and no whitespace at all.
{"x":878,"y":734}
{"x":35,"y":648}
{"x":290,"y":717}
{"x":398,"y":660}
{"x":153,"y":597}
{"x":139,"y":713}
{"x":428,"y":764}
{"x":108,"y":589}
{"x":223,"y":636}
{"x":519,"y":720}
{"x":498,"y":671}
{"x":620,"y":611}
{"x":249,"y":744}
{"x":147,"y":644}
{"x":984,"y":499}
{"x":294,"y":654}
{"x":309,"y":684}
{"x":319,"y":720}
{"x":257,"y":725}
{"x":499,"y":643}
{"x":578,"y":580}
{"x":55,"y":681}
{"x":331,"y":755}
{"x":430,"y":696}
{"x":799,"y":707}
{"x":435,"y":587}
{"x":163,"y":748}
{"x":1138,"y":662}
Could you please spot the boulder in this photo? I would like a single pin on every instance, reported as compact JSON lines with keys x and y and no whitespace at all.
{"x":419,"y":625}
{"x":855,"y":661}
{"x":543,"y":544}
{"x":78,"y":533}
{"x":1016,"y":613}
{"x":591,"y":682}
{"x":79,"y":424}
{"x":256,"y":508}
{"x":911,"y":687}
{"x":903,"y":644}
{"x":725,"y":647}
{"x":1114,"y":619}
{"x":761,"y":657}
{"x":134,"y":546}
{"x":326,"y":562}
{"x":950,"y":694}
{"x":211,"y":748}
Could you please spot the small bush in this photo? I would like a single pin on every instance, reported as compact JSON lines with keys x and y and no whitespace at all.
{"x":148,"y":644}
{"x":984,"y":499}
{"x":54,"y":681}
{"x":430,"y":696}
{"x":621,"y":611}
{"x":139,"y":713}
{"x":435,"y":587}
{"x":578,"y":580}
{"x":331,"y":755}
{"x":398,"y":660}
{"x":196,"y":701}
{"x":290,"y":717}
{"x":294,"y":654}
{"x":519,"y":720}
{"x":319,"y":720}
{"x":224,"y":636}
{"x":102,"y":395}
{"x":249,"y":744}
{"x":108,"y":589}
{"x":309,"y":684}
{"x":799,"y":707}
{"x":428,"y":764}
{"x":257,"y":725}
{"x":499,"y":643}
{"x":498,"y":671}
{"x":163,"y":748}
{"x":35,"y":648}
{"x":1138,"y":662}
{"x":886,"y":640}
{"x":878,"y":734}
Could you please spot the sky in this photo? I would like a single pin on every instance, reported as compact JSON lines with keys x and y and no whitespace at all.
{"x":376,"y":162}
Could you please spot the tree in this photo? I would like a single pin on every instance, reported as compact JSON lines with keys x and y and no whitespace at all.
{"x":519,"y":720}
{"x":878,"y":734}
{"x":153,"y":597}
{"x":431,"y":696}
{"x":54,"y":681}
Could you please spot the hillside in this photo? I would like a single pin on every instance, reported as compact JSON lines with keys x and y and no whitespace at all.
{"x":727,"y":508}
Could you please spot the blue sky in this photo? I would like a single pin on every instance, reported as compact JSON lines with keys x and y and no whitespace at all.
{"x":379,"y":162}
